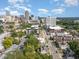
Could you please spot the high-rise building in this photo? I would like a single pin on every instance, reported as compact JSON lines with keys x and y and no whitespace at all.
{"x":7,"y":13}
{"x":50,"y":21}
{"x":26,"y":15}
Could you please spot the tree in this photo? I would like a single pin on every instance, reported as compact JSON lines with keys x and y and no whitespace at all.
{"x":16,"y":41}
{"x":8,"y":41}
{"x":28,"y":48}
{"x":24,"y":26}
{"x":33,"y":41}
{"x":14,"y":34}
{"x":77,"y":52}
{"x":73,"y":45}
{"x":17,"y":34}
{"x":20,"y":33}
{"x":28,"y":51}
{"x":15,"y":55}
{"x":11,"y":26}
{"x":1,"y":29}
{"x":29,"y":55}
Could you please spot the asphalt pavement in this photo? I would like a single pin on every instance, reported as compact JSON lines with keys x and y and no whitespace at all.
{"x":53,"y":50}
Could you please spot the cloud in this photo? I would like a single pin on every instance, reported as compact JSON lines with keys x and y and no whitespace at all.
{"x":29,"y":5}
{"x":27,"y":1}
{"x":21,"y":1}
{"x":12,"y":1}
{"x":72,"y":2}
{"x":16,"y":9}
{"x":7,"y":8}
{"x":14,"y":13}
{"x":22,"y":7}
{"x":62,"y":5}
{"x":15,"y":1}
{"x":43,"y":10}
{"x":2,"y":12}
{"x":28,"y":9}
{"x":16,"y":6}
{"x":56,"y":0}
{"x":58,"y":11}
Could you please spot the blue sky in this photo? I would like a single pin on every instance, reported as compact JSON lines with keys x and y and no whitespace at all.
{"x":63,"y":8}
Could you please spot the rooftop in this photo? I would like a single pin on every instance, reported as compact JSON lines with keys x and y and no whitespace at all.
{"x":55,"y":27}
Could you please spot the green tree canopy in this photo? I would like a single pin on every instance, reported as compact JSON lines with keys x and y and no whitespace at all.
{"x":73,"y":45}
{"x":24,"y":26}
{"x":15,"y":55}
{"x":20,"y":34}
{"x":17,"y":34}
{"x":8,"y":41}
{"x":33,"y":41}
{"x":1,"y":29}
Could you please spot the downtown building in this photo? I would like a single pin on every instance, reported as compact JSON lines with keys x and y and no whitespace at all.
{"x":50,"y":21}
{"x":26,"y":16}
{"x":56,"y":32}
{"x":10,"y":20}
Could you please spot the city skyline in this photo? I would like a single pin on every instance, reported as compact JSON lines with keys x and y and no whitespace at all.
{"x":56,"y":8}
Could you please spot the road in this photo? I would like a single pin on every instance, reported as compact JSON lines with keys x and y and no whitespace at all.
{"x":5,"y":34}
{"x":52,"y":48}
{"x":13,"y":47}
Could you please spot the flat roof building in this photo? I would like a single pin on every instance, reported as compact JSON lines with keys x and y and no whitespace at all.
{"x":7,"y":13}
{"x":50,"y":21}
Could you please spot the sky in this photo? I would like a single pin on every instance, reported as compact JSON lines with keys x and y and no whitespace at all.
{"x":55,"y":8}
